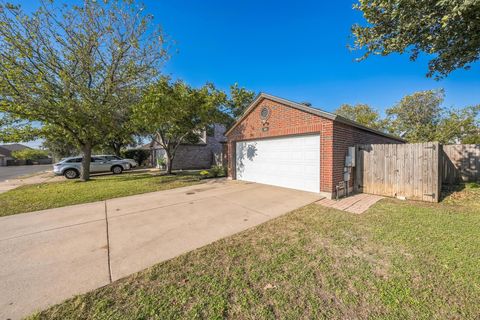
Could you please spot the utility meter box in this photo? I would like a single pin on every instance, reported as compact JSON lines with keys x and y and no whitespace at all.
{"x":350,"y":158}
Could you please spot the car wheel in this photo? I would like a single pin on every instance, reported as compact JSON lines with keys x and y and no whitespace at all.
{"x":117,"y":170}
{"x":71,"y":173}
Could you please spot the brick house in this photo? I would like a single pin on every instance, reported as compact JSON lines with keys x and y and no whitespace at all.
{"x":202,"y":155}
{"x":293,"y":145}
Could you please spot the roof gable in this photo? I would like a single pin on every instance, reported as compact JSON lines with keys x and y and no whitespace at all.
{"x":307,"y":109}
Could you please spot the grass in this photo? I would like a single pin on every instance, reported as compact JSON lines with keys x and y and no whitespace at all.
{"x":58,"y":194}
{"x":398,"y":260}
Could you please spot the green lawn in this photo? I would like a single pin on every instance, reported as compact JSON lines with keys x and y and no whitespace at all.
{"x":398,"y":260}
{"x":59,"y":194}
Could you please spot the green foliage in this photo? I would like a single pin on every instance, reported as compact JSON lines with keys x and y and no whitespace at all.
{"x":416,"y":117}
{"x":472,"y":185}
{"x":218,"y":171}
{"x":139,"y":155}
{"x":204,"y":174}
{"x":30,"y":154}
{"x":449,"y":31}
{"x":75,"y":70}
{"x":460,"y":126}
{"x":59,"y":145}
{"x":420,"y":117}
{"x":173,"y":112}
{"x":161,"y":161}
{"x":214,"y":172}
{"x":363,"y":114}
{"x":240,"y":99}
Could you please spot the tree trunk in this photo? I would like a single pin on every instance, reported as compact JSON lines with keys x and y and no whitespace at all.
{"x":169,"y":162}
{"x":117,"y":147}
{"x":87,"y":153}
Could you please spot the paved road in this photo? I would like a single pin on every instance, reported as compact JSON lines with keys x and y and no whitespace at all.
{"x":13,"y":172}
{"x":48,"y":256}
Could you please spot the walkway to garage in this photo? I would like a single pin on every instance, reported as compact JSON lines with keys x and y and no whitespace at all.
{"x":51,"y":255}
{"x":358,"y":203}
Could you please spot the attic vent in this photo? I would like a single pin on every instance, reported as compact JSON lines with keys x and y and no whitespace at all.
{"x":308,"y":104}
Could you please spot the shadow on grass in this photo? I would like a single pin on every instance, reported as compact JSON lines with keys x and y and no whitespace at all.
{"x":448,"y":190}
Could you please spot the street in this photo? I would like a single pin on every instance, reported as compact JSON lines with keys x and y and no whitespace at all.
{"x":13,"y":172}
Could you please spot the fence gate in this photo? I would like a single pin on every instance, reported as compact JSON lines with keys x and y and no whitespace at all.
{"x":460,"y":163}
{"x":399,"y":170}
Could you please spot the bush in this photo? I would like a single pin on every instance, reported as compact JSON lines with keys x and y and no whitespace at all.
{"x":30,"y":154}
{"x":139,"y":155}
{"x":205,"y":174}
{"x":472,"y":185}
{"x":218,"y":171}
{"x":214,"y":172}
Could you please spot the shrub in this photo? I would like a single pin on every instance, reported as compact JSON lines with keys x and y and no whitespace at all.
{"x":218,"y":171}
{"x":472,"y":185}
{"x":139,"y":155}
{"x":204,"y":174}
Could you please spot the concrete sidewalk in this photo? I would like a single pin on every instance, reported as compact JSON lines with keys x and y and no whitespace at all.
{"x":51,"y":255}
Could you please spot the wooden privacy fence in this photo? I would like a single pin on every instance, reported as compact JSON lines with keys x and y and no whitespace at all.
{"x":414,"y":171}
{"x":399,"y":170}
{"x":460,"y":163}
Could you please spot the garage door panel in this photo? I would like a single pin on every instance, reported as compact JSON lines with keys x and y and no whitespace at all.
{"x":292,"y":162}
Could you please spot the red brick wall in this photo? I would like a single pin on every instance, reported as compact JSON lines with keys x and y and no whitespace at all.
{"x":285,"y":120}
{"x":347,"y":136}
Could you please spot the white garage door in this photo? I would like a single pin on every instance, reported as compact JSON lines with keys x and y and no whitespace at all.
{"x":291,"y":162}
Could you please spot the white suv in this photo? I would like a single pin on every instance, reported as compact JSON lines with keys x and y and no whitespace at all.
{"x":110,"y":157}
{"x":71,"y":167}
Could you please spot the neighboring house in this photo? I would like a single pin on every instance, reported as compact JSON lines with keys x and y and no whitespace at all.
{"x":202,"y":155}
{"x":7,"y":149}
{"x":3,"y":160}
{"x":293,"y":145}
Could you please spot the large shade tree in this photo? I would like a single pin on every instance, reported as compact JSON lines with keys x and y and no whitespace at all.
{"x":74,"y":69}
{"x":460,"y":126}
{"x":172,"y":113}
{"x":416,"y":117}
{"x":363,"y":114}
{"x":448,"y":31}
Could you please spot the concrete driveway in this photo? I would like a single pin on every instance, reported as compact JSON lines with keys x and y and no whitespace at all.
{"x":51,"y":255}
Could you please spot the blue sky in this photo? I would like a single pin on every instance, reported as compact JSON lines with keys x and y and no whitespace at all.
{"x":296,"y":50}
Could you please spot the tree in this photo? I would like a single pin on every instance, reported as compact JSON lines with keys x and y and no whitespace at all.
{"x":460,"y":126}
{"x":417,"y":117}
{"x":59,"y":146}
{"x":30,"y":154}
{"x":72,"y":68}
{"x":363,"y":114}
{"x":238,"y":102}
{"x":449,"y":31}
{"x":123,"y":136}
{"x":172,"y":113}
